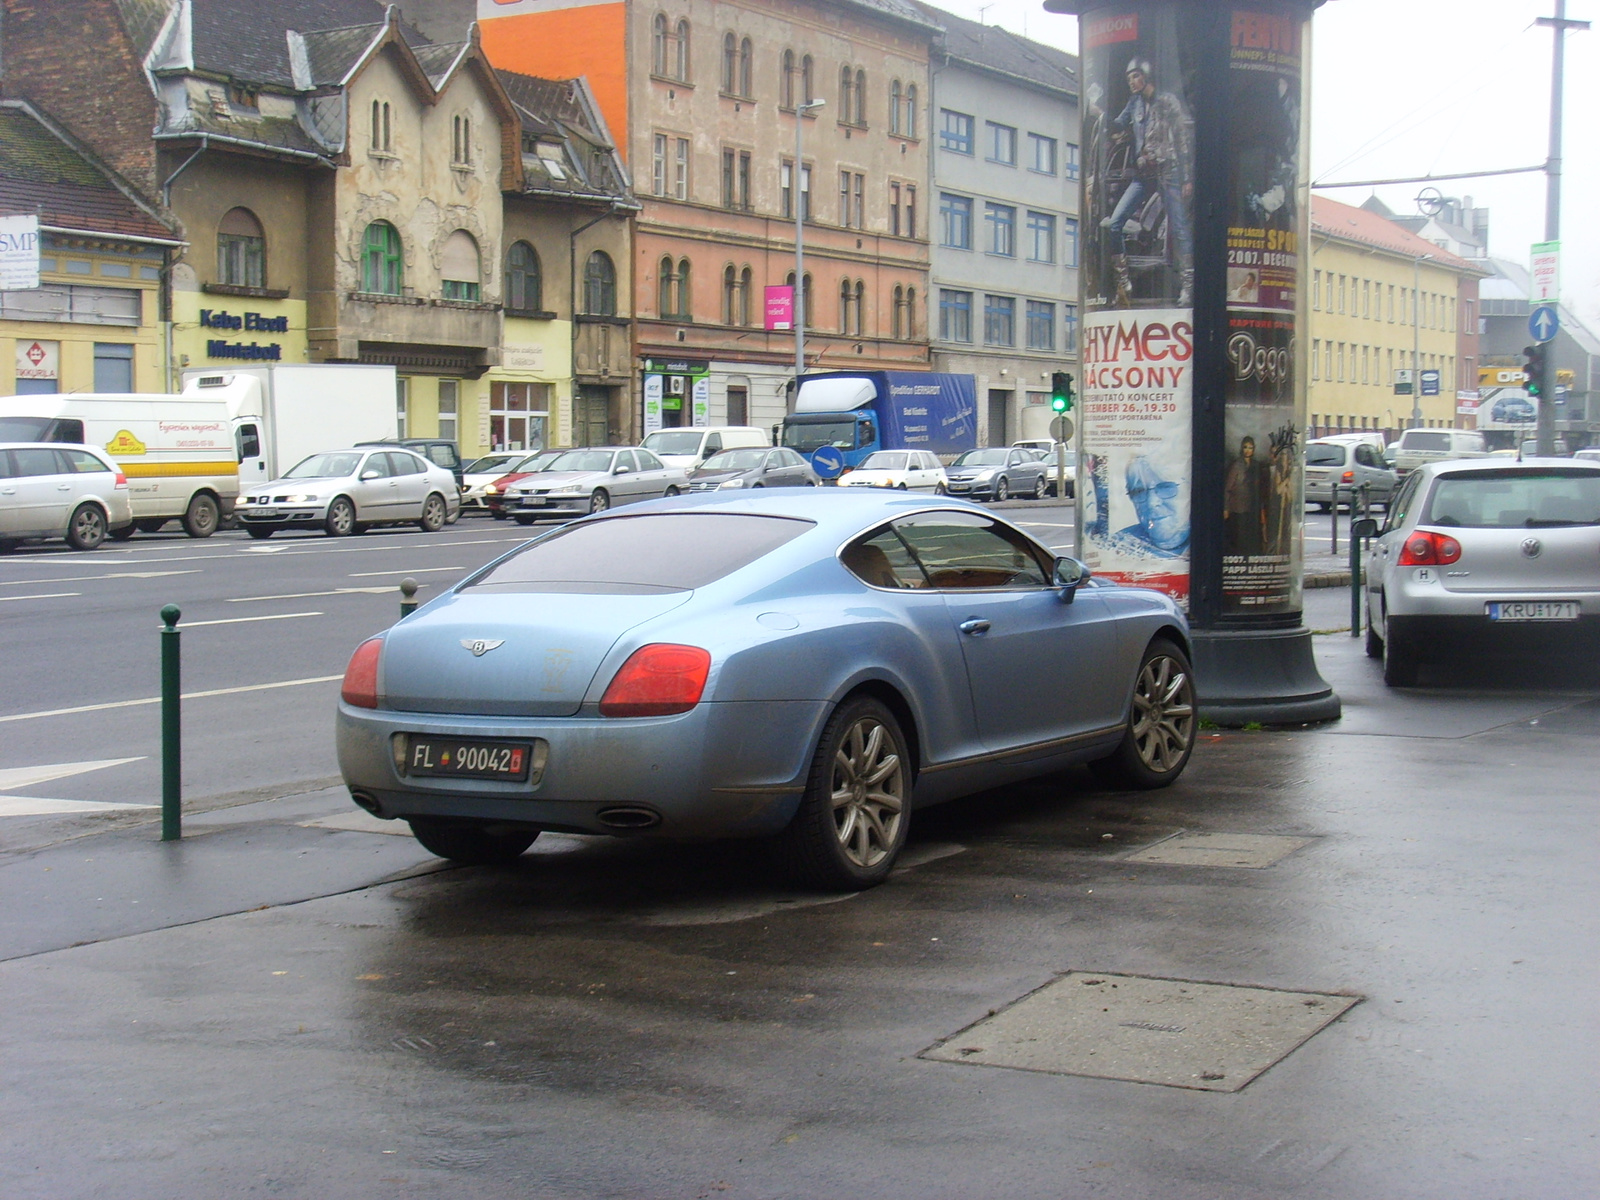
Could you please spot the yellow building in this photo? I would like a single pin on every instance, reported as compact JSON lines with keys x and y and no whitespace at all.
{"x":94,"y":323}
{"x":1385,"y":302}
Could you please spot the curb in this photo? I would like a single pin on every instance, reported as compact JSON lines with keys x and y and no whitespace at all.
{"x":1328,"y":579}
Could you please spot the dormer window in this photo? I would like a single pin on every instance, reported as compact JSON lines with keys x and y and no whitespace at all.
{"x":554,"y":161}
{"x":242,"y":95}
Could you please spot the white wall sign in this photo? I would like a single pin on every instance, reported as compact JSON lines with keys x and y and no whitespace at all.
{"x":38,"y":360}
{"x":701,"y":402}
{"x":652,"y":403}
{"x":1545,"y":271}
{"x":19,"y":253}
{"x":522,"y":357}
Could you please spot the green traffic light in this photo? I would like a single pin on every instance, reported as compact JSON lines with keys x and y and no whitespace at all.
{"x":1060,"y":391}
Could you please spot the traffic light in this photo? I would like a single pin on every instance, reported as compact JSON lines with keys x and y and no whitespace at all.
{"x":1060,"y":392}
{"x":1535,"y":359}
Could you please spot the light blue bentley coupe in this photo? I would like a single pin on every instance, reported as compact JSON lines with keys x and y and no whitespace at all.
{"x":807,"y":666}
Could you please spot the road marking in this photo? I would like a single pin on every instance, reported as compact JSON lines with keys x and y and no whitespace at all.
{"x":231,"y":691}
{"x":28,"y":806}
{"x":345,"y":591}
{"x":241,"y":620}
{"x":232,"y":555}
{"x":396,"y":571}
{"x":15,"y":777}
{"x":42,"y":596}
{"x":95,"y":578}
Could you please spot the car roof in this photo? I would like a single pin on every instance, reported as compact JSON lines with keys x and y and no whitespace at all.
{"x":1455,"y":466}
{"x":54,"y":445}
{"x":836,"y":510}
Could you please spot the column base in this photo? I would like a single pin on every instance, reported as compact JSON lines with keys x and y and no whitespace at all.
{"x":1265,"y":676}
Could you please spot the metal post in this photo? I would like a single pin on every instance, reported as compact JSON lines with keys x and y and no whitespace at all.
{"x":1355,"y":578}
{"x":171,"y":729}
{"x":1333,"y":522}
{"x":1061,"y":470}
{"x":1416,"y":340}
{"x":802,"y":106}
{"x":408,"y":596}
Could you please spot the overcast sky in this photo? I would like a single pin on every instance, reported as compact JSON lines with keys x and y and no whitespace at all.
{"x":1411,"y":87}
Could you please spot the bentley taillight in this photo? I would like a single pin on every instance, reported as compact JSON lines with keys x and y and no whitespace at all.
{"x":657,"y":681}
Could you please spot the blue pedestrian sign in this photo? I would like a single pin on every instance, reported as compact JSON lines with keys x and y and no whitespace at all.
{"x":1544,"y":323}
{"x":827,"y":462}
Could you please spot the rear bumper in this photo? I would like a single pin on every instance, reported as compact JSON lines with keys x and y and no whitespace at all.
{"x":1442,"y":637}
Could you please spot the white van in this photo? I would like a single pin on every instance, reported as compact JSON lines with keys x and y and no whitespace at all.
{"x":688,"y":448}
{"x":1418,"y":447}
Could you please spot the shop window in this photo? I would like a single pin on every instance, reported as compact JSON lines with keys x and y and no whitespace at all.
{"x":449,"y":402}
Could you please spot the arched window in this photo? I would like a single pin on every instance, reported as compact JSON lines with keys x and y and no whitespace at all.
{"x":524,"y":279}
{"x":804,"y":298}
{"x":911,"y":314}
{"x":744,"y":296}
{"x":600,"y":285}
{"x":730,"y":296}
{"x":846,"y":297}
{"x":461,"y":142}
{"x":241,"y":250}
{"x":730,"y":63}
{"x":861,"y":99}
{"x":685,"y":292}
{"x":909,"y":125}
{"x":382,"y":267}
{"x":786,"y":95}
{"x":847,"y":84}
{"x":382,"y":141}
{"x":747,"y":59}
{"x":658,"y":45}
{"x":666,"y":299}
{"x":681,"y":59}
{"x":861,"y":306}
{"x":894,"y":107}
{"x":461,"y":267}
{"x":898,"y":324}
{"x":807,"y":92}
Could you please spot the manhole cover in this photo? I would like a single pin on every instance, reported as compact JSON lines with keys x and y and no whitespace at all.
{"x":1210,"y":1036}
{"x":1254,"y":850}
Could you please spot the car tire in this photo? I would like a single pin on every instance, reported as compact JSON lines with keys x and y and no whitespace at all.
{"x":1039,"y":488}
{"x":150,"y":524}
{"x":433,"y":514}
{"x":673,"y":491}
{"x":1399,"y":661}
{"x":848,"y":845}
{"x":1322,"y":508}
{"x":87,"y":528}
{"x":201,"y":517}
{"x":1002,"y":490}
{"x":498,"y":516}
{"x":124,"y":533}
{"x":261,"y":532}
{"x":600,"y":501}
{"x":524,"y":520}
{"x":471,"y":842}
{"x":341,"y":518}
{"x":1159,"y":737}
{"x":939,"y":489}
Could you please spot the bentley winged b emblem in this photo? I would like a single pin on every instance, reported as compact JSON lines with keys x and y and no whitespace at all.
{"x":481,"y":646}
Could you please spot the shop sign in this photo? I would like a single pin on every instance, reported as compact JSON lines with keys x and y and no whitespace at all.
{"x":780,"y":307}
{"x":38,"y":360}
{"x":522,"y":357}
{"x":250,"y":322}
{"x":19,"y":253}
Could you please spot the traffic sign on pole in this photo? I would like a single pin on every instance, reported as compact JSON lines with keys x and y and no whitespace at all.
{"x":1544,"y":322}
{"x":1545,"y":274}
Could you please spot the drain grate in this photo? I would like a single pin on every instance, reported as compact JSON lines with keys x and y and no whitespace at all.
{"x":1210,"y":1036}
{"x":1255,"y":850}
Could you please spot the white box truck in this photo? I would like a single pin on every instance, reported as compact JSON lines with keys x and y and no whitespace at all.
{"x":186,"y":456}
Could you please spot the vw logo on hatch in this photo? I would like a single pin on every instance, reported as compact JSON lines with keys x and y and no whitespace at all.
{"x":482,"y":646}
{"x":1531,"y":547}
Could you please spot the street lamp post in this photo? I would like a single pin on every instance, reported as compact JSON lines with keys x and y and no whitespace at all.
{"x":799,"y":304}
{"x":1416,"y":325}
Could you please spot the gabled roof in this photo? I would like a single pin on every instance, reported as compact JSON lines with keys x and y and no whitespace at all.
{"x":248,"y":40}
{"x":991,"y":48}
{"x":562,"y":112}
{"x":47,"y":171}
{"x":1367,"y":228}
{"x":902,"y":10}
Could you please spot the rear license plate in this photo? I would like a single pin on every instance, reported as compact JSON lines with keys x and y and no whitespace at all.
{"x":1532,"y":610}
{"x":460,"y":758}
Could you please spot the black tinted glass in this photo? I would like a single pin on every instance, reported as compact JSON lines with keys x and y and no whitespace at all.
{"x":40,"y":461}
{"x":968,"y":550}
{"x":659,"y":552}
{"x":24,"y":429}
{"x":1324,"y":456}
{"x":1535,"y":499}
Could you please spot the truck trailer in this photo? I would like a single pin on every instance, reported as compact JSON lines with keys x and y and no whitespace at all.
{"x":840,"y":417}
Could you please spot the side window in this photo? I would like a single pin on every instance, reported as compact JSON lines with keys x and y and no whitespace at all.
{"x":866,"y":433}
{"x":881,"y":559}
{"x":971,"y":551}
{"x":407,"y":464}
{"x":83,"y":462}
{"x":1401,"y":505}
{"x":713,"y":444}
{"x":67,"y":429}
{"x":648,"y":461}
{"x":37,"y":461}
{"x":7,"y":469}
{"x":443,"y":456}
{"x":249,"y":440}
{"x":380,"y":464}
{"x":625,"y":459}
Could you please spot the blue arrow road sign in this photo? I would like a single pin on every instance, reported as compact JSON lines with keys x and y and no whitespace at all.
{"x":1543,"y":323}
{"x":827,"y":462}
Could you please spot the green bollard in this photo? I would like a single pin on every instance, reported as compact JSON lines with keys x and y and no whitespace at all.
{"x":171,"y":730}
{"x":408,"y":596}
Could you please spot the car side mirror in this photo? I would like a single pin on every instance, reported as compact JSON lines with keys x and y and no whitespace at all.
{"x":621,"y":469}
{"x":1069,"y":575}
{"x":1364,"y":527}
{"x":370,"y":474}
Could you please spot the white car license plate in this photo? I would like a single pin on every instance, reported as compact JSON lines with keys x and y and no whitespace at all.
{"x":1532,"y":610}
{"x":533,"y":502}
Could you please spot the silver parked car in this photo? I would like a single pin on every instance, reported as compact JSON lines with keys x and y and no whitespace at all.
{"x":753,"y":467}
{"x":1346,"y":465}
{"x":1486,"y":555}
{"x":55,"y":491}
{"x":997,"y":474}
{"x":810,"y":665}
{"x":348,"y":491}
{"x":592,"y":480}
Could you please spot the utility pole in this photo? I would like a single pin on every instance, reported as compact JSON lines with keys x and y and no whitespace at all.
{"x":798,"y":305}
{"x":1545,"y":431}
{"x":1416,"y":341}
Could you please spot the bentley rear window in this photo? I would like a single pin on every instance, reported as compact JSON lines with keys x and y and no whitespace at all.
{"x":1532,"y":499}
{"x":656,"y":552}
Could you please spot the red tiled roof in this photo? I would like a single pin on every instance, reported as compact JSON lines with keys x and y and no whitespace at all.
{"x":1330,"y":218}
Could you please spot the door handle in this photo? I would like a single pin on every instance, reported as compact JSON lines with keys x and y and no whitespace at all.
{"x":977,"y":626}
{"x":63,"y":487}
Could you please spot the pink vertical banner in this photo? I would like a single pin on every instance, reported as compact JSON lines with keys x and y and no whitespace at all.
{"x":780,"y":307}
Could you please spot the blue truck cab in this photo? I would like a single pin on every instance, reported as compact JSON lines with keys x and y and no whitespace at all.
{"x":840,"y":417}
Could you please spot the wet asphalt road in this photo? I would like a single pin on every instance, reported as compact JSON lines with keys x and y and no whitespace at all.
{"x":288,"y":1003}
